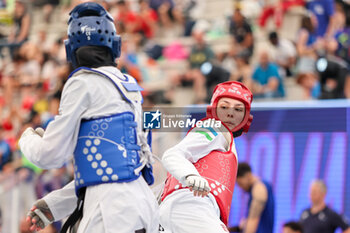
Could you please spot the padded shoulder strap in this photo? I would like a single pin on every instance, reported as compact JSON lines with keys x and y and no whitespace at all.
{"x":127,"y":85}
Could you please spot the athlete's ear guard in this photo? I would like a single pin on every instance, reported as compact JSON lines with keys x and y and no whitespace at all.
{"x":117,"y":46}
{"x":247,"y":125}
{"x":209,"y":111}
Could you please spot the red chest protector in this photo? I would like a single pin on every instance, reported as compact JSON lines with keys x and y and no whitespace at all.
{"x":220,"y":170}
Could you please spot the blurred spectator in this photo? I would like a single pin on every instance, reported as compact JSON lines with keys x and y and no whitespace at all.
{"x":126,"y":18}
{"x":30,"y":68}
{"x":107,"y":4}
{"x":50,"y":75}
{"x":243,"y":72}
{"x":214,"y":74}
{"x":175,"y":51}
{"x":34,"y":119}
{"x":277,"y":10}
{"x":329,"y":48}
{"x":2,"y":5}
{"x":47,"y":7}
{"x":167,"y":12}
{"x":5,"y":150}
{"x":307,"y":78}
{"x":8,"y":79}
{"x":20,"y":29}
{"x":142,"y":24}
{"x":42,"y":40}
{"x":129,"y":58}
{"x":306,"y":37}
{"x":319,"y":218}
{"x":292,"y":227}
{"x":189,"y":15}
{"x":340,"y":10}
{"x":267,"y":81}
{"x":53,"y":107}
{"x":228,"y":58}
{"x":343,"y":37}
{"x":261,"y":204}
{"x":156,"y":4}
{"x":324,"y":12}
{"x":41,"y":104}
{"x":241,"y":31}
{"x":200,"y":53}
{"x":53,"y":68}
{"x":334,"y":78}
{"x":285,"y":55}
{"x":149,"y":19}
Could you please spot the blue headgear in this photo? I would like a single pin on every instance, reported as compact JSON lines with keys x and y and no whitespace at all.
{"x":90,"y":24}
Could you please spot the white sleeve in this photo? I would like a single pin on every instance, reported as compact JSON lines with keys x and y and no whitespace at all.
{"x":289,"y":49}
{"x":59,"y":140}
{"x":62,"y":202}
{"x":179,"y":159}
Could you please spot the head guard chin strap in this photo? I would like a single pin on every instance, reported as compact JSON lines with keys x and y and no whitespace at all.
{"x":237,"y":91}
{"x":90,"y":24}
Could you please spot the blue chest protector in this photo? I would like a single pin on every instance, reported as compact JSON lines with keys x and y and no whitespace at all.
{"x":107,"y":149}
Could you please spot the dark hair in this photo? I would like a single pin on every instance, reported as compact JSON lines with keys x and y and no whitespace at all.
{"x":121,"y":3}
{"x":306,"y":23}
{"x":243,"y":168}
{"x":273,"y":36}
{"x":244,"y":55}
{"x":295,"y":226}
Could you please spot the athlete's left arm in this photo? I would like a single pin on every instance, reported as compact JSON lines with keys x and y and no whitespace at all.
{"x":347,"y":230}
{"x":260,"y":195}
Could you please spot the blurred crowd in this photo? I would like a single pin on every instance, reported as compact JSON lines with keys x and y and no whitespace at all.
{"x":168,"y":45}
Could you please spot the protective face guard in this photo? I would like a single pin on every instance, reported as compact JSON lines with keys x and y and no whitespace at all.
{"x":234,"y":90}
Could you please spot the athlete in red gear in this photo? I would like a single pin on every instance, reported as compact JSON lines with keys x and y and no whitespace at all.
{"x":205,"y":163}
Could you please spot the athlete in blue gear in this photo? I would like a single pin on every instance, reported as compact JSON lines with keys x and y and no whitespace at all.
{"x":99,"y":123}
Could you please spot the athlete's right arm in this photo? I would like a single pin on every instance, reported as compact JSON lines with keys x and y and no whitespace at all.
{"x":39,"y":215}
{"x":56,"y":145}
{"x":62,"y":202}
{"x":53,"y":207}
{"x":179,"y":159}
{"x":178,"y":165}
{"x":185,"y":172}
{"x":197,"y":144}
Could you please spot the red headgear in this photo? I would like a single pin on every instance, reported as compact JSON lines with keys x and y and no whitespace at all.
{"x":237,"y":91}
